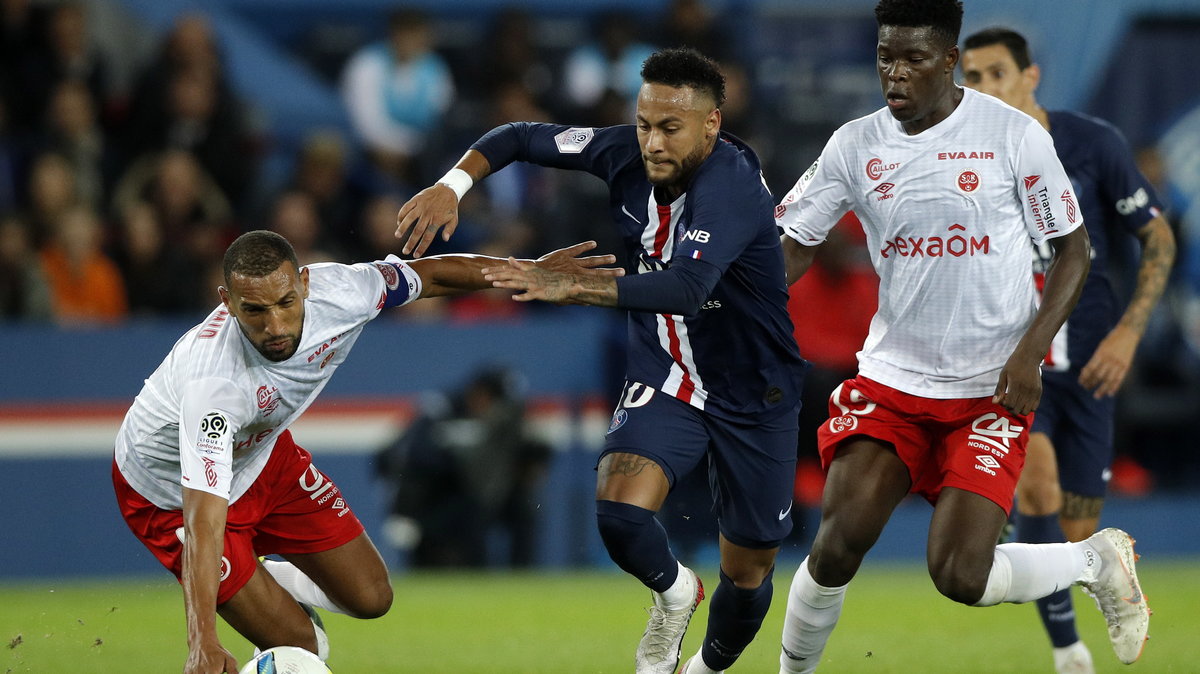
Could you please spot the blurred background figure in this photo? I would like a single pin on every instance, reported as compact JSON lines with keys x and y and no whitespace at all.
{"x":23,"y":290}
{"x":295,"y":218}
{"x":396,"y":92}
{"x":609,"y":65}
{"x":85,"y":285}
{"x":466,"y":475}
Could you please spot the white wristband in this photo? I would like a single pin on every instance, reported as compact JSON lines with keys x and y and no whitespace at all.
{"x":457,"y":180}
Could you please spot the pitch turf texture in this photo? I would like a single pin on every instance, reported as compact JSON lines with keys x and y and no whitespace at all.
{"x":499,"y":623}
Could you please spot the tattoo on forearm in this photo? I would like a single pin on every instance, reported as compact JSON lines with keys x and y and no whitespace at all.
{"x":599,"y":291}
{"x":1158,"y":254}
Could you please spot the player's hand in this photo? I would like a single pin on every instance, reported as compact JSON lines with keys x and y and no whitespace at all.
{"x":1020,"y":387}
{"x":210,"y":657}
{"x":568,"y":260}
{"x":432,"y":208}
{"x":1105,"y":372}
{"x":533,"y":282}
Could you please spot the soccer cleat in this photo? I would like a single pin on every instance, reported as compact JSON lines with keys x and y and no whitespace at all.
{"x":658,"y":651}
{"x":1118,"y":594}
{"x":319,"y":628}
{"x":1073,"y":659}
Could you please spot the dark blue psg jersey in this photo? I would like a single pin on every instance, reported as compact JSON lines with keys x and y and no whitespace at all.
{"x":735,"y":357}
{"x":1115,"y":198}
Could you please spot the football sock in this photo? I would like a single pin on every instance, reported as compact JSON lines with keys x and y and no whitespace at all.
{"x":1056,"y":609}
{"x":1026,"y":571}
{"x":734,"y":616}
{"x":637,"y":542}
{"x":300,"y":586}
{"x":812,"y":613}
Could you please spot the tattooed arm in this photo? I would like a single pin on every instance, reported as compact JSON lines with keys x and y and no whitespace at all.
{"x":1106,"y":370}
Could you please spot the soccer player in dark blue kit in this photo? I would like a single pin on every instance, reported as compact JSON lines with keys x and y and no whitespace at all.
{"x":713,"y":370}
{"x":1060,"y":498}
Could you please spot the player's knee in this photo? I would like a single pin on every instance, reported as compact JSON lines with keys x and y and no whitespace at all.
{"x":833,"y":561}
{"x":620,"y":522}
{"x":959,"y":583}
{"x":372,"y":600}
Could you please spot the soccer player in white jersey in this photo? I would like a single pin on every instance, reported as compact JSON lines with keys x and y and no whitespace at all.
{"x":1071,"y":443}
{"x":951,"y":186}
{"x":207,"y":475}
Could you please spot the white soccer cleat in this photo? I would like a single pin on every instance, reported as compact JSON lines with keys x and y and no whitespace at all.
{"x":1073,"y":659}
{"x":658,"y":651}
{"x":1118,"y":594}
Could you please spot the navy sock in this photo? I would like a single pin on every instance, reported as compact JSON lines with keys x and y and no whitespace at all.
{"x":734,"y":616}
{"x":1057,"y":610}
{"x":637,"y":542}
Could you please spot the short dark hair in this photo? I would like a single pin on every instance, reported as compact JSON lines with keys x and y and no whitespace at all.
{"x":1014,"y":41}
{"x":943,"y":16}
{"x":257,"y":254}
{"x":685,"y":67}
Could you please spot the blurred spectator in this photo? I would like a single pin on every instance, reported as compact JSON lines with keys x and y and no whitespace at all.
{"x":691,"y":23}
{"x":52,"y":191}
{"x":64,"y":52}
{"x":74,"y":132}
{"x":321,"y":173}
{"x":295,"y":218}
{"x":511,"y":57}
{"x":183,"y":101}
{"x":396,"y":92}
{"x":464,"y":468}
{"x":85,"y":284}
{"x":12,"y":163}
{"x":611,"y":63}
{"x":145,"y":260}
{"x":23,"y":290}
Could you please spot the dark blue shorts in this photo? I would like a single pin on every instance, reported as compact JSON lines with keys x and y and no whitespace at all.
{"x":1081,"y":429}
{"x":752,"y":467}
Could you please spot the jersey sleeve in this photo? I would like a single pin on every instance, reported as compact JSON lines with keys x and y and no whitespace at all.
{"x":210,"y":412}
{"x":1048,"y":200}
{"x":1127,"y":191}
{"x":601,"y":151}
{"x":818,"y":200}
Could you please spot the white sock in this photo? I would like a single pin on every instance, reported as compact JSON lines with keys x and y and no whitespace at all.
{"x":1024,"y":572}
{"x":682,"y":592}
{"x":300,"y":586}
{"x":697,"y":666}
{"x":812,"y":613}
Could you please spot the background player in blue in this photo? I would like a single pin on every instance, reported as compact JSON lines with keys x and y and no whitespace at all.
{"x":713,"y":370}
{"x":1092,"y":354}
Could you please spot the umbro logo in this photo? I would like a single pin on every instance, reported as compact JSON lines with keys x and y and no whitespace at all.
{"x":884,"y":190}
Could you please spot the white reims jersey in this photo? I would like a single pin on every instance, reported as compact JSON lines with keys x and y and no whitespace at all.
{"x":209,"y":416}
{"x":949,"y":214}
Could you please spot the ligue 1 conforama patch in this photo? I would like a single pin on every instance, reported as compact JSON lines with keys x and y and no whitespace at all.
{"x":573,"y":140}
{"x":618,"y":420}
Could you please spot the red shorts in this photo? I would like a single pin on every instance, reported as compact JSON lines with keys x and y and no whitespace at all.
{"x":972,"y":444}
{"x":291,"y":508}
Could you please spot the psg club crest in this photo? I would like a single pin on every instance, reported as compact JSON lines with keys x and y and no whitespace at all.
{"x":618,"y":420}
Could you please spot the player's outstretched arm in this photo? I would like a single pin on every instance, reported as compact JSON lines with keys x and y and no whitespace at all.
{"x":436,"y":206}
{"x":797,"y":257}
{"x":1105,"y":371}
{"x":1020,"y":385}
{"x":459,"y":273}
{"x":203,"y":541}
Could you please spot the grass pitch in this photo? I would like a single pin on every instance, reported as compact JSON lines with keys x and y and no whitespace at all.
{"x":501,"y":623}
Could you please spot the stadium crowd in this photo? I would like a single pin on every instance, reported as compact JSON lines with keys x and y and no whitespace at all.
{"x":106,"y":191}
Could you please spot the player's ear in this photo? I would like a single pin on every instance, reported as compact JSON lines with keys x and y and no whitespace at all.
{"x":952,"y":57}
{"x":304,"y":280}
{"x":224,"y":293}
{"x":712,"y":125}
{"x":1033,"y":75}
